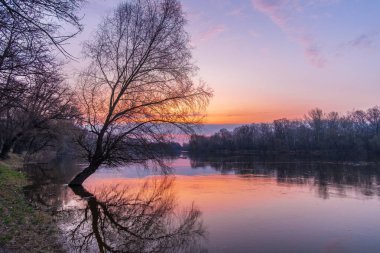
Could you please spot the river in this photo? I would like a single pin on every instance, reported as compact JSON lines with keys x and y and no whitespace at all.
{"x":226,"y":204}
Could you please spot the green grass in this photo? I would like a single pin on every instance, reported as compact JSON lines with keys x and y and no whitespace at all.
{"x":22,"y":228}
{"x":13,"y":207}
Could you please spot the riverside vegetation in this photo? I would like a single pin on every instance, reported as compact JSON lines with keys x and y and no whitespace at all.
{"x":331,"y":135}
{"x":22,"y":228}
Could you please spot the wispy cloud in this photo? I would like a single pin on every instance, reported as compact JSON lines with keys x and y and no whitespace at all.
{"x":274,"y":9}
{"x":313,"y":53}
{"x":311,"y":50}
{"x":364,"y":40}
{"x":237,"y":12}
{"x":281,"y":13}
{"x":211,"y":33}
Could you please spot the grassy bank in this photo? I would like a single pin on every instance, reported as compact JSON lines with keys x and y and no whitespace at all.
{"x":22,"y":228}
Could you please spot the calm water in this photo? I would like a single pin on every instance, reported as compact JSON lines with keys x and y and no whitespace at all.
{"x":219,"y":205}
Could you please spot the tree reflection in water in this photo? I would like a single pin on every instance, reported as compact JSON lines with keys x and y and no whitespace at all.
{"x":325,"y":177}
{"x":122,"y":219}
{"x":146,"y":219}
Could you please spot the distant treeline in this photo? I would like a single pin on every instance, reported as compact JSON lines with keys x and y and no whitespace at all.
{"x":356,"y":132}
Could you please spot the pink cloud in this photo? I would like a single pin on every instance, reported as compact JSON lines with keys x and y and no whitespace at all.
{"x":311,"y":50}
{"x":281,"y":13}
{"x":211,"y":33}
{"x":274,"y":9}
{"x":237,"y":12}
{"x":315,"y":57}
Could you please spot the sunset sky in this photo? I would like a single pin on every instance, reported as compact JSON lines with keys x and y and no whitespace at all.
{"x":269,"y":59}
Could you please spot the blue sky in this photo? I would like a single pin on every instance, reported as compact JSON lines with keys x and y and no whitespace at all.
{"x":267,"y":59}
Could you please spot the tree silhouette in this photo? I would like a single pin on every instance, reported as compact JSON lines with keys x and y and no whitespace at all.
{"x":138,"y":87}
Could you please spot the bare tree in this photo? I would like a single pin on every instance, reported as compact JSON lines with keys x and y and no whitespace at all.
{"x":373,"y":117}
{"x":46,"y":98}
{"x":315,"y":118}
{"x":29,"y":31}
{"x":22,"y":53}
{"x":43,"y":18}
{"x":138,"y":87}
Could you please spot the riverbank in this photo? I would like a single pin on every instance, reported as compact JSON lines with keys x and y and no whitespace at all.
{"x":22,"y":228}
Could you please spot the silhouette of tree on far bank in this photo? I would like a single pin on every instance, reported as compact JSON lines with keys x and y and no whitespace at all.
{"x":355,"y":134}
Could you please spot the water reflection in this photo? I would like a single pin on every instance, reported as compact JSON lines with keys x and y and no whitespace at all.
{"x":47,"y":190}
{"x":122,"y":218}
{"x":363,"y":178}
{"x":248,"y":205}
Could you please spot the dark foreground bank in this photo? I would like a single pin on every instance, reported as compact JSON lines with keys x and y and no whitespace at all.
{"x":22,"y":227}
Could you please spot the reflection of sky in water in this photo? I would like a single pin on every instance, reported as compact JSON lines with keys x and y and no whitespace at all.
{"x":180,"y":167}
{"x":255,"y":206}
{"x":274,"y":208}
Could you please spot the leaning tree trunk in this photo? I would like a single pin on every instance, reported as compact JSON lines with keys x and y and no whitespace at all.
{"x":82,"y":192}
{"x":83,"y":175}
{"x":95,"y":162}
